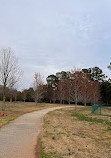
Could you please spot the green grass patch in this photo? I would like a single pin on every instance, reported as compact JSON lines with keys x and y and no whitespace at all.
{"x":60,"y":133}
{"x":83,"y":117}
{"x":43,"y":154}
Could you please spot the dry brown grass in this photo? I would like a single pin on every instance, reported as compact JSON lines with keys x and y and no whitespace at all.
{"x":16,"y":109}
{"x":67,"y":136}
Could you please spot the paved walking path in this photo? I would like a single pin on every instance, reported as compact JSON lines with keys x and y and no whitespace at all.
{"x":18,"y":139}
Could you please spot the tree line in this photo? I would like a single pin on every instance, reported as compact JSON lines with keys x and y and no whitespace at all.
{"x":85,"y":86}
{"x":77,"y":86}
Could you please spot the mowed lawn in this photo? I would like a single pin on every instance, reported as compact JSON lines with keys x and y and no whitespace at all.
{"x":69,"y":134}
{"x":16,"y":109}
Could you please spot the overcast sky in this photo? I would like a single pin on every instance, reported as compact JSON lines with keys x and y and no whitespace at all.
{"x":54,"y":35}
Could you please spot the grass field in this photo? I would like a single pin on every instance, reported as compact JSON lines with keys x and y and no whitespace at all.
{"x":69,"y":134}
{"x":16,"y":109}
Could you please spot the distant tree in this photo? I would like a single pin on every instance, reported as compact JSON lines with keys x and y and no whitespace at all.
{"x":109,"y":66}
{"x":48,"y":93}
{"x":61,"y":91}
{"x":52,"y":80}
{"x":10,"y":72}
{"x":95,"y":73}
{"x":75,"y":77}
{"x":38,"y":87}
{"x":29,"y":95}
{"x":54,"y":92}
{"x":62,"y":75}
{"x":68,"y":90}
{"x":1,"y":92}
{"x":45,"y":95}
{"x":95,"y":92}
{"x":24,"y":93}
{"x":11,"y":94}
{"x":86,"y":89}
{"x":15,"y":93}
{"x":19,"y":96}
{"x":106,"y":92}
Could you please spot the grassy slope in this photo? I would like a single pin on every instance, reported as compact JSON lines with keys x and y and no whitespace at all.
{"x":14,"y":110}
{"x":67,"y":134}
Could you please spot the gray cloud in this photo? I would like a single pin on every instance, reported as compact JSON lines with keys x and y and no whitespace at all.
{"x":50,"y":36}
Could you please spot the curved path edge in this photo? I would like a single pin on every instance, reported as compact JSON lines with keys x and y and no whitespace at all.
{"x":19,"y":138}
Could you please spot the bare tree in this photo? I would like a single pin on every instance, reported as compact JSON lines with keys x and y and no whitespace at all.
{"x":10,"y":72}
{"x":38,"y":87}
{"x":86,"y":89}
{"x":15,"y":94}
{"x":60,"y":91}
{"x":11,"y":94}
{"x":75,"y":77}
{"x":24,"y":92}
{"x":95,"y":92}
{"x":54,"y":94}
{"x":68,"y":90}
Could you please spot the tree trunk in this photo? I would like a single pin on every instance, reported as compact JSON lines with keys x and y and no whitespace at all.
{"x":69,"y":101}
{"x":15,"y":99}
{"x":76,"y":99}
{"x":85,"y":104}
{"x":10,"y":99}
{"x":36,"y":101}
{"x":3,"y":104}
{"x":76,"y":104}
{"x":85,"y":101}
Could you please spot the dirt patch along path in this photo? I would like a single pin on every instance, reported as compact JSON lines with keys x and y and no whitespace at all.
{"x":18,"y":139}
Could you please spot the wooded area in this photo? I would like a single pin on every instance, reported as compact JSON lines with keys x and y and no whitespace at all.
{"x":86,"y":86}
{"x":78,"y":86}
